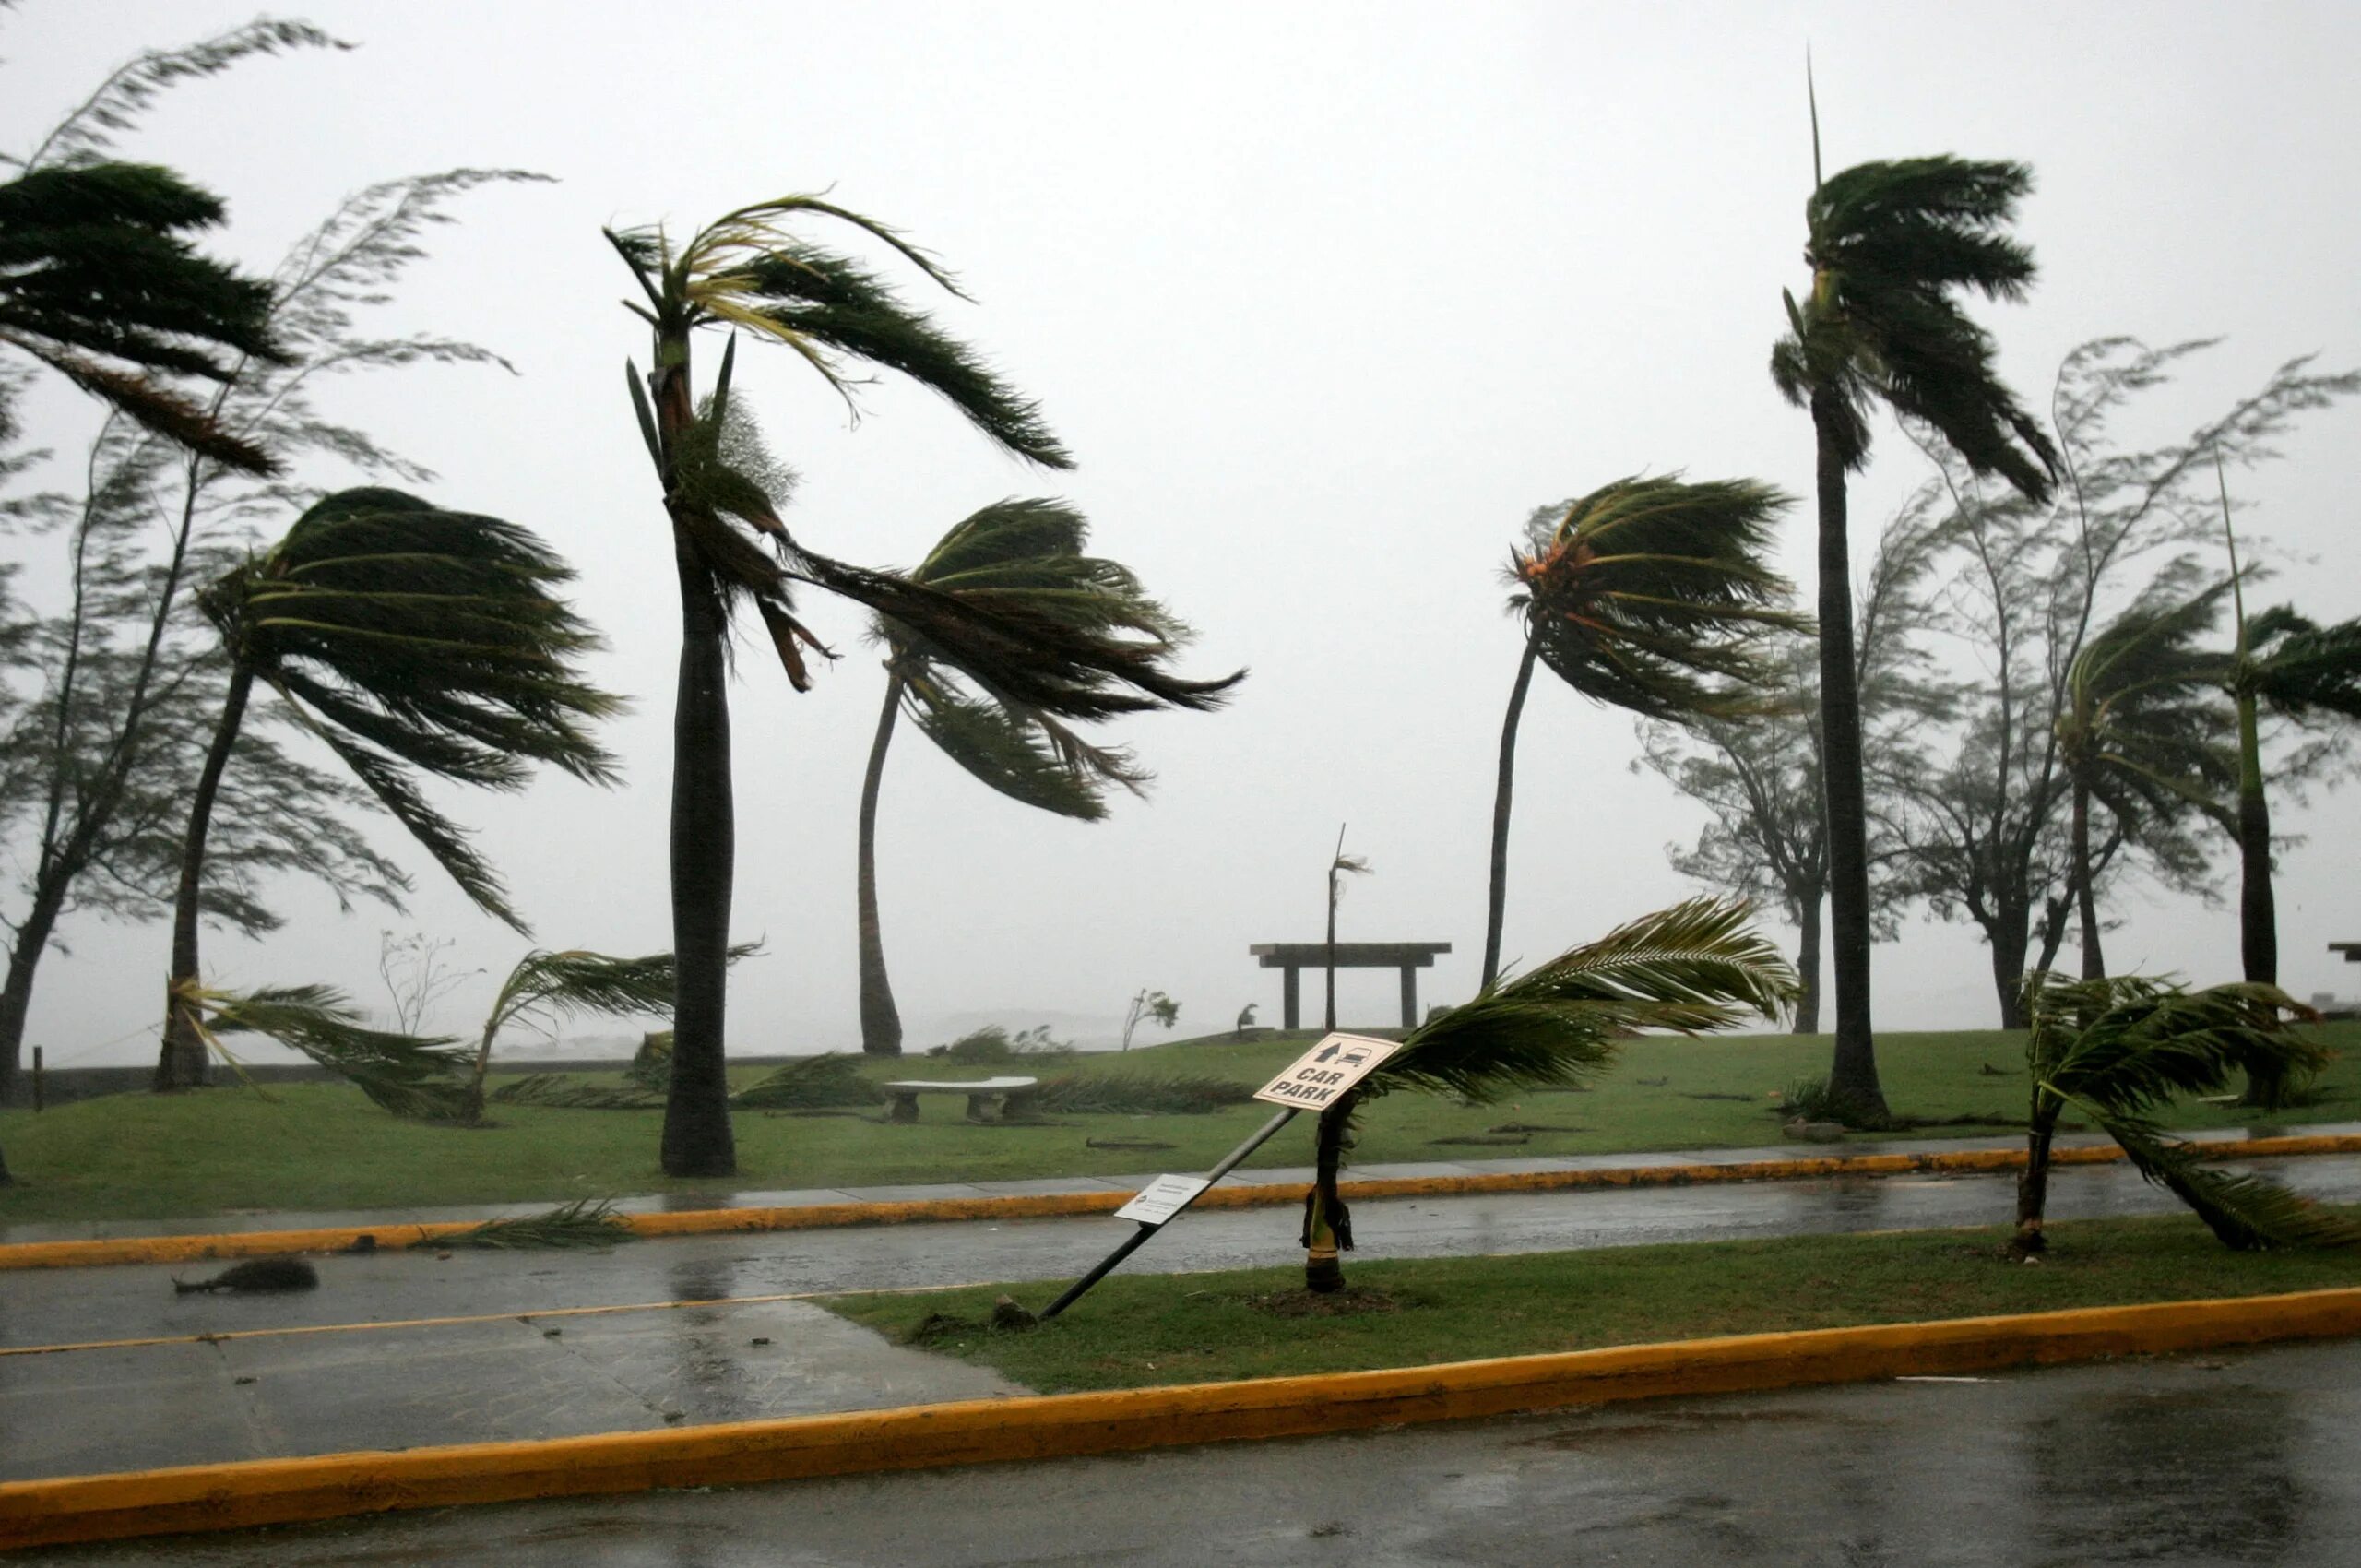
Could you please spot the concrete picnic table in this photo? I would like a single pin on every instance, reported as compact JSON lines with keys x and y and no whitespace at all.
{"x":987,"y":1097}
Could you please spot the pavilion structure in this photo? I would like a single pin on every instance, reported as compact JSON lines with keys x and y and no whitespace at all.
{"x":1294,"y":957}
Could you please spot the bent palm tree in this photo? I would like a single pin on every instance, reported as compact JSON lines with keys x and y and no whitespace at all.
{"x":404,"y":636}
{"x":2141,"y":733}
{"x":1694,"y":968}
{"x":721,"y":495}
{"x":1649,"y":595}
{"x":1890,"y":245}
{"x":1340,"y":866}
{"x":1027,"y":556}
{"x":2120,"y":1049}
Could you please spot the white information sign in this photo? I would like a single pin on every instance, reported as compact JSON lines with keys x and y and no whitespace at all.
{"x":1327,"y":1071}
{"x":1162,"y":1198}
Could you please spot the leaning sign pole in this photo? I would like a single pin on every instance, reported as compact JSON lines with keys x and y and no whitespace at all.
{"x":1314,"y":1081}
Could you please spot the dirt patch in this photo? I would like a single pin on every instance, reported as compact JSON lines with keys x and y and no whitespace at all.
{"x":1351,"y":1302}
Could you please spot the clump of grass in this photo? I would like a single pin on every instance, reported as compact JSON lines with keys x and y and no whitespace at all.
{"x":994,"y":1044}
{"x":810,"y":1083}
{"x":555,"y":1091}
{"x":583,"y":1223}
{"x":1132,"y":1094}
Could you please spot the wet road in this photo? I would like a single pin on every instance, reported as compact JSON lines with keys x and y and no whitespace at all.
{"x":54,"y":1306}
{"x":2236,"y":1458}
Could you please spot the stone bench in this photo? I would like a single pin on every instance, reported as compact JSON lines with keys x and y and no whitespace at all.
{"x":987,"y":1097}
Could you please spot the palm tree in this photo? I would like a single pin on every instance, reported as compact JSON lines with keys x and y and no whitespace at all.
{"x":1028,"y":555}
{"x":1694,"y":968}
{"x":2120,"y":1049}
{"x":1340,"y":866}
{"x":1649,"y":595}
{"x":1891,"y":245}
{"x":2301,"y":672}
{"x":722,"y":491}
{"x":403,"y":636}
{"x":2141,"y":733}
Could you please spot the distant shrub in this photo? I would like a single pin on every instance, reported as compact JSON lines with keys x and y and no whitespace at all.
{"x":810,"y":1083}
{"x":1132,"y":1094}
{"x":992,"y":1043}
{"x":651,"y":1065}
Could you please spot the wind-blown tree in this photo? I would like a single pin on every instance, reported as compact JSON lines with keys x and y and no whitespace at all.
{"x":1891,"y":245}
{"x":98,"y":278}
{"x":1340,"y":866}
{"x":573,"y":983}
{"x":1650,"y":595}
{"x":1027,"y":556}
{"x":2023,"y":590}
{"x":405,"y":638}
{"x":1693,"y":968}
{"x":2143,"y":735}
{"x":95,"y":778}
{"x":722,"y":494}
{"x":2119,"y":1050}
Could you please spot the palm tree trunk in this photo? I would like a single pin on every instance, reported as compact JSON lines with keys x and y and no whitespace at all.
{"x":696,"y":1138}
{"x":2258,"y":913}
{"x":179,"y":1064}
{"x":1327,"y":1224}
{"x":1497,"y":908}
{"x":2033,"y":1183}
{"x":1852,"y":1075}
{"x":880,"y":1023}
{"x":2087,"y":899}
{"x":1808,"y":964}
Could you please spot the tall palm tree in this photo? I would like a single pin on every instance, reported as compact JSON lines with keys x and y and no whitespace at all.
{"x":1891,"y":245}
{"x":2140,"y":732}
{"x":748,"y":271}
{"x":1028,"y":555}
{"x":404,"y":636}
{"x":2120,"y":1049}
{"x":2301,"y":672}
{"x":1650,"y":595}
{"x":1694,"y":968}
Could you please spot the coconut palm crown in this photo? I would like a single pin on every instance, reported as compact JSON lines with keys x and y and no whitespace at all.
{"x":1025,"y":556}
{"x":1648,"y":594}
{"x":409,"y":640}
{"x":1891,"y":246}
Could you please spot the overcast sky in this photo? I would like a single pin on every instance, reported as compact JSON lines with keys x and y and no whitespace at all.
{"x":1324,"y":299}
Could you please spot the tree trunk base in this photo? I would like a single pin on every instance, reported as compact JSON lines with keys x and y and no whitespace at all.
{"x":1324,"y":1272}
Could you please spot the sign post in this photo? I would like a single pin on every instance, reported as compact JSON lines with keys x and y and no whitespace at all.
{"x":1314,"y":1081}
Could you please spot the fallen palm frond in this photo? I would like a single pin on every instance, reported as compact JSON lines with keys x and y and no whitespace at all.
{"x":583,"y":1223}
{"x":1132,"y":1094}
{"x":809,"y":1083}
{"x":414,"y":1076}
{"x":555,"y":1091}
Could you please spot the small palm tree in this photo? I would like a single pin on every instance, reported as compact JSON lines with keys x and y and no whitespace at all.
{"x":404,"y":636}
{"x":722,"y":491}
{"x":1890,"y":245}
{"x":1340,"y":866}
{"x":2120,"y":1049}
{"x":1649,"y":595}
{"x":2142,"y":733}
{"x":1694,"y":968}
{"x":1026,"y":556}
{"x":568,"y":984}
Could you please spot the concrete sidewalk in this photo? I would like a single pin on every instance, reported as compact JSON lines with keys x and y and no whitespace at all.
{"x":280,"y":1219}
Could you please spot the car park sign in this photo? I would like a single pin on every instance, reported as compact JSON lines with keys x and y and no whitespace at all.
{"x":1319,"y":1076}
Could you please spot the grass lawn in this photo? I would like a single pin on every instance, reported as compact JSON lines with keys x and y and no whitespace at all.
{"x":322,"y":1146}
{"x":1137,"y":1330}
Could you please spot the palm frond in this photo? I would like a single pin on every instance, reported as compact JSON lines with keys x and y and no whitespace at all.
{"x":411,"y":1075}
{"x":1695,"y":968}
{"x":830,"y":1079}
{"x":2246,"y":1212}
{"x":116,"y":103}
{"x":574,"y":982}
{"x":2304,"y":670}
{"x":583,"y":1223}
{"x":1015,"y":753}
{"x":555,"y":1091}
{"x":2129,"y":1045}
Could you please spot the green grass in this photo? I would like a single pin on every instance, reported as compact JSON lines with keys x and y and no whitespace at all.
{"x":323,"y":1147}
{"x":1139,"y":1330}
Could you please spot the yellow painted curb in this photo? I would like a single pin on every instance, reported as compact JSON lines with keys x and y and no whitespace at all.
{"x":272,"y":1491}
{"x":1037,"y":1206}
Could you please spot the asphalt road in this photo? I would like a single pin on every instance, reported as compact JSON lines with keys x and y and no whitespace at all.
{"x":2237,"y":1458}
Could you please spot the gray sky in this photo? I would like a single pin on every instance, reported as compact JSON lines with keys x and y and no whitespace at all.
{"x":1324,"y":298}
